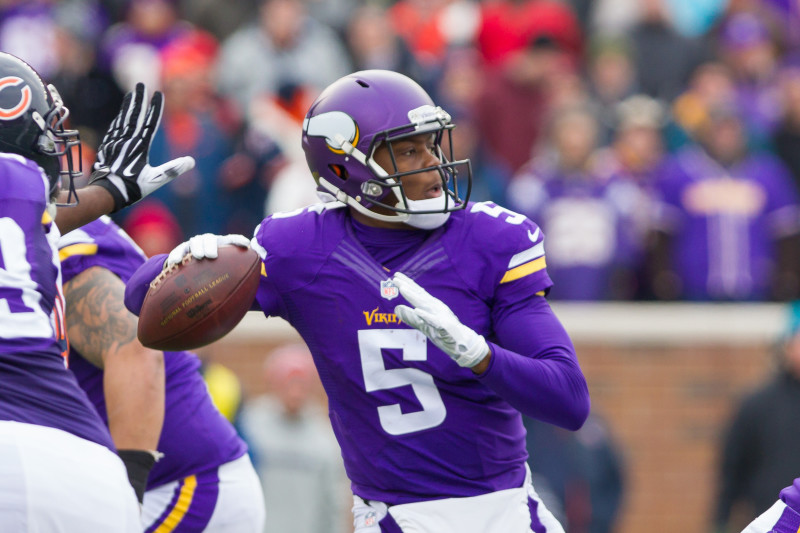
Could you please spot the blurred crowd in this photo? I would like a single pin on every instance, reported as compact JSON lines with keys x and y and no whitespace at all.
{"x":654,"y":141}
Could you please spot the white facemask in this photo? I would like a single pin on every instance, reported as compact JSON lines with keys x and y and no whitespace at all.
{"x":430,"y":220}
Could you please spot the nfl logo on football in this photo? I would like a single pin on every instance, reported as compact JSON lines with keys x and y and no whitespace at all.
{"x":389,"y":290}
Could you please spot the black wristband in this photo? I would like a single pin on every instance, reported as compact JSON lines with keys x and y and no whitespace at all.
{"x":100,"y":178}
{"x":138,"y":463}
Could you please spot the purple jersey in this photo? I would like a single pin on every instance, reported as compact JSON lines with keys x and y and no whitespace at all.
{"x":725,"y":223}
{"x":36,"y":386}
{"x":413,"y":425}
{"x":195,"y":436}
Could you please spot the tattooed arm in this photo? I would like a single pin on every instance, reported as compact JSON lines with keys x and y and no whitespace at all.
{"x":104,"y":332}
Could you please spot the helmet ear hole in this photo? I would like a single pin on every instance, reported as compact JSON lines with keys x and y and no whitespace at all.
{"x":340,"y":171}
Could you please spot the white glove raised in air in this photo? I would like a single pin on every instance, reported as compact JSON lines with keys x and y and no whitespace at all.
{"x":123,"y":157}
{"x":433,"y":318}
{"x":204,"y":246}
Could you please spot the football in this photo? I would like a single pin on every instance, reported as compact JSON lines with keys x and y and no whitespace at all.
{"x":197,"y":302}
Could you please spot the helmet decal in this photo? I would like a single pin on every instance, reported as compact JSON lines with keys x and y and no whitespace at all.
{"x":335,"y":126}
{"x":16,"y":111}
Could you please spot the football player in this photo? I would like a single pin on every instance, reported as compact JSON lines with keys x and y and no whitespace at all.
{"x":58,"y":469}
{"x":783,"y":516}
{"x":425,"y":396}
{"x":200,"y":475}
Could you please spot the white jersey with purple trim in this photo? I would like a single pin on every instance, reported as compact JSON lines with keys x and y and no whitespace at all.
{"x":37,"y":387}
{"x":412,"y":425}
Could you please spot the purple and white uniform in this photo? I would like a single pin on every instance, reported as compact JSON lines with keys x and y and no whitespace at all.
{"x":725,"y":222}
{"x":412,"y":425}
{"x":36,"y":386}
{"x":196,"y":439}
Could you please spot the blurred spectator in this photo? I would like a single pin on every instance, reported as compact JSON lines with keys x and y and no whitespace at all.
{"x":460,"y":86}
{"x":219,"y":18}
{"x":585,"y":217}
{"x":132,"y":47}
{"x":728,"y":224}
{"x":634,"y":158}
{"x":508,"y":26}
{"x":93,"y":96}
{"x":690,"y":18}
{"x":283,"y":47}
{"x":759,"y":454}
{"x":28,"y":30}
{"x":431,"y":27}
{"x":295,"y":453}
{"x":611,"y":79}
{"x":711,"y":86}
{"x":583,"y":470}
{"x":153,"y":227}
{"x":374,"y":44}
{"x":512,"y":108}
{"x":749,"y":49}
{"x":663,"y":58}
{"x":335,"y":14}
{"x":786,"y":138}
{"x":221,"y":194}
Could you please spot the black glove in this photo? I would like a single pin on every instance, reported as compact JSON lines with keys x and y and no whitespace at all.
{"x":138,"y":463}
{"x":122,"y":166}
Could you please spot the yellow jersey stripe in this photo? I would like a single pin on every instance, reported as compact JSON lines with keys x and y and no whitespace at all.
{"x":77,"y":249}
{"x":523,"y":270}
{"x":46,"y":218}
{"x":181,"y":506}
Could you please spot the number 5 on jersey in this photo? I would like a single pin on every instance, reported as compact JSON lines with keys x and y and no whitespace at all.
{"x":414,"y":346}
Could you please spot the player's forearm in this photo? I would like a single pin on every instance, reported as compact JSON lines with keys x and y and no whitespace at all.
{"x":94,"y":202}
{"x":536,"y":369}
{"x":551,"y":389}
{"x":133,"y":383}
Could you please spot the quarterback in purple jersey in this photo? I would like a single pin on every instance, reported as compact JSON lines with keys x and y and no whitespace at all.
{"x":425,"y":396}
{"x":783,"y":517}
{"x":58,"y":469}
{"x":130,"y":386}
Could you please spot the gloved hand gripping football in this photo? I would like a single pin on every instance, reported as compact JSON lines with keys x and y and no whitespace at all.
{"x":205,"y":246}
{"x":433,"y":318}
{"x":122,"y":166}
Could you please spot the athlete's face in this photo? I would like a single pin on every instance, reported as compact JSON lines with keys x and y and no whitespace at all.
{"x":410,"y":154}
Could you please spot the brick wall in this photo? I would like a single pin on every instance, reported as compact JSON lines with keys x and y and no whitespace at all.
{"x":665,"y":377}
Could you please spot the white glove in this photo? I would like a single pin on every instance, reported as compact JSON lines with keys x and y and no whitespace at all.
{"x":433,"y":318}
{"x":205,"y":246}
{"x":122,"y":165}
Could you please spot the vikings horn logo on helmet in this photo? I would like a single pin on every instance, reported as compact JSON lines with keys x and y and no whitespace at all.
{"x":334,"y":126}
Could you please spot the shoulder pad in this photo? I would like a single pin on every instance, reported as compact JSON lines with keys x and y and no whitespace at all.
{"x":511,"y":244}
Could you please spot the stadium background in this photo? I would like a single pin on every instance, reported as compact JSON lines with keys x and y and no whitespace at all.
{"x":665,"y":375}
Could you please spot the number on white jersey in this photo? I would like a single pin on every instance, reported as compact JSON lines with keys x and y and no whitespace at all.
{"x":21,"y":312}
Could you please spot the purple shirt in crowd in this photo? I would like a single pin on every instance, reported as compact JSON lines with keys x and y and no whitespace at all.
{"x":590,"y":226}
{"x":195,"y":436}
{"x":35,"y":385}
{"x":411,"y":423}
{"x":725,"y":222}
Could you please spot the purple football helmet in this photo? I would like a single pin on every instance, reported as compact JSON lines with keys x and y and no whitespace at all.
{"x":32,"y":119}
{"x":355,"y":116}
